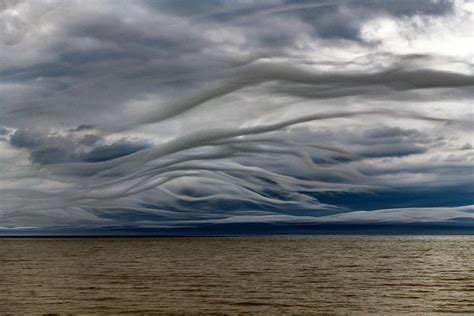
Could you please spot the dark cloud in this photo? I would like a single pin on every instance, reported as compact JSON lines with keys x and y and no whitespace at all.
{"x":89,"y":139}
{"x":406,"y":8}
{"x":392,"y":132}
{"x":397,"y":150}
{"x":3,"y":131}
{"x":56,"y":148}
{"x":83,"y":127}
{"x":25,"y":138}
{"x":50,"y":155}
{"x":117,"y":149}
{"x":394,"y":135}
{"x":38,"y":71}
{"x":374,"y":142}
{"x":245,"y":110}
{"x":391,"y":142}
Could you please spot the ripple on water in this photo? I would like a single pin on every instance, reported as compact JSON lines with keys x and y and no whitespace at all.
{"x":327,"y":274}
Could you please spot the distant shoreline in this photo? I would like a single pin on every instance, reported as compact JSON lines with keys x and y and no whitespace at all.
{"x":230,"y":236}
{"x":242,"y":230}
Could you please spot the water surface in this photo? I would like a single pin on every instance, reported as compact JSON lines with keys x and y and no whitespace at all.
{"x":265,"y":275}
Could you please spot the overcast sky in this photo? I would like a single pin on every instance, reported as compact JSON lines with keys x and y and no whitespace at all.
{"x":162,"y":114}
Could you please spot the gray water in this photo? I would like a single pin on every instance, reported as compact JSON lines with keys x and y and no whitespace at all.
{"x":264,"y":275}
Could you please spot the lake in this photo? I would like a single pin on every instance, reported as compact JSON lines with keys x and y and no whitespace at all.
{"x":232,"y":275}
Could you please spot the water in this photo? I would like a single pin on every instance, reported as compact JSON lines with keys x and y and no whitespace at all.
{"x":264,"y":275}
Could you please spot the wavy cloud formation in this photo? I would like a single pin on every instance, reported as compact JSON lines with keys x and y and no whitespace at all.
{"x":163,"y":114}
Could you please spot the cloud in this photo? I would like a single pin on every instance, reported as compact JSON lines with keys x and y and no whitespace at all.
{"x":405,"y":215}
{"x":167,"y":112}
{"x":392,"y":216}
{"x":117,"y":149}
{"x":53,"y":148}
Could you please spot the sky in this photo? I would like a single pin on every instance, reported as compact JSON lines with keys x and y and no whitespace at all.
{"x":164,"y":115}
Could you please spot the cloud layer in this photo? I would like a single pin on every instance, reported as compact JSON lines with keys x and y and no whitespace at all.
{"x":169,"y":113}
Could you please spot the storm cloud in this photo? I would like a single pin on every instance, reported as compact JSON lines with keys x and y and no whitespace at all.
{"x":170,"y":113}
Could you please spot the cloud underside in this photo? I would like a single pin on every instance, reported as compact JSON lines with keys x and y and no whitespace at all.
{"x":154,"y":114}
